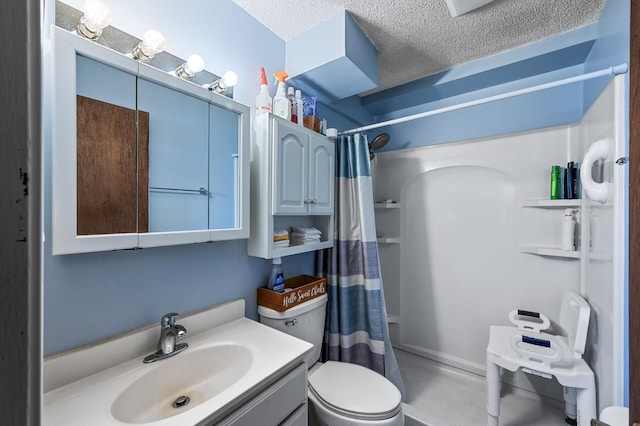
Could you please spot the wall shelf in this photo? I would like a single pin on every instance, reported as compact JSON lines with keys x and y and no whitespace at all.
{"x":551,"y":203}
{"x":301,"y":248}
{"x":387,"y":205}
{"x":551,"y":252}
{"x":388,"y":240}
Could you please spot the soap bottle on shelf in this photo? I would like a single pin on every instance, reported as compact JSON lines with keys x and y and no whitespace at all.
{"x":281,"y":105}
{"x":298,"y":107}
{"x":263,"y":100}
{"x":276,"y":279}
{"x":292,"y":111}
{"x":568,"y":231}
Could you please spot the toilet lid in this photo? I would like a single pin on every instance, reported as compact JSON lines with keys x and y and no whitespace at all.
{"x":355,"y":390}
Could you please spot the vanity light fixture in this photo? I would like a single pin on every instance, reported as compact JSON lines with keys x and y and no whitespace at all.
{"x":96,"y":17}
{"x":152,"y":43}
{"x":229,"y":79}
{"x":194,"y":65}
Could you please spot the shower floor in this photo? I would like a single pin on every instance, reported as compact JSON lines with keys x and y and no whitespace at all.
{"x":439,"y":395}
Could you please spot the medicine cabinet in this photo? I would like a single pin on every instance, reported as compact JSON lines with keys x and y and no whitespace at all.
{"x":140,"y":157}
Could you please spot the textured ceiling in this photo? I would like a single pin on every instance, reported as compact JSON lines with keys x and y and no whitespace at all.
{"x":417,"y":38}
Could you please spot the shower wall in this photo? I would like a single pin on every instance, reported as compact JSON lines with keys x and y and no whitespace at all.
{"x":463,"y":220}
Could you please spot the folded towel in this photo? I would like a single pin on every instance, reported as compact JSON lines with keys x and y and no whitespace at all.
{"x":304,"y":239}
{"x":306,"y":231}
{"x":281,"y":244}
{"x":299,"y":235}
{"x":280,"y":237}
{"x":277,"y":232}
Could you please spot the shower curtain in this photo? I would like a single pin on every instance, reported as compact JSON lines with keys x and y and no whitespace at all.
{"x":356,"y":329}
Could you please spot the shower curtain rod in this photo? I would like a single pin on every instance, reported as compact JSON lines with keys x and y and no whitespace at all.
{"x":611,"y":71}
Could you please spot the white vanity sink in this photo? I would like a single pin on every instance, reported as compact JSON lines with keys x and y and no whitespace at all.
{"x":223,"y":368}
{"x":181,"y":383}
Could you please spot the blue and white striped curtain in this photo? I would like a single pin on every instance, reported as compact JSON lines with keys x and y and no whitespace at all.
{"x":356,"y":329}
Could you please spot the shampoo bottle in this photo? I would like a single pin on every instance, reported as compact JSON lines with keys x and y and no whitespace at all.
{"x":568,"y":231}
{"x":263,"y":100}
{"x":292,"y":111}
{"x":281,"y":105}
{"x":276,"y":279}
{"x":298,"y":107}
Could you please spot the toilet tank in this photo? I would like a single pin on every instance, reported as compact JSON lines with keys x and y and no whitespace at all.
{"x":305,"y":321}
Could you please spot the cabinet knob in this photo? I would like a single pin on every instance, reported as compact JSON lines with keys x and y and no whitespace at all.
{"x":307,"y":201}
{"x":314,"y":201}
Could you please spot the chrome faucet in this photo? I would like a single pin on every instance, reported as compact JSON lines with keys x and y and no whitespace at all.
{"x":169,"y":333}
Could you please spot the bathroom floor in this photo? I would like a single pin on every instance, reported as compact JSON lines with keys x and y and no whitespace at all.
{"x":438,"y":395}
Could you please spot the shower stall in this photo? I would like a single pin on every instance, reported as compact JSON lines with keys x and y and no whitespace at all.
{"x":471,"y":234}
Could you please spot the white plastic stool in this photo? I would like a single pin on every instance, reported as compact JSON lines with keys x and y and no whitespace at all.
{"x":526,"y":347}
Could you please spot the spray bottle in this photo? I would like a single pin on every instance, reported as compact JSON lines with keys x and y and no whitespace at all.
{"x":281,"y":105}
{"x":276,"y":279}
{"x":263,"y":100}
{"x":292,"y":111}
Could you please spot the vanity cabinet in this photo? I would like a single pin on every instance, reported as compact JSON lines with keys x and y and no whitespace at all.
{"x":141,"y":158}
{"x":284,"y":402}
{"x":292,"y":181}
{"x":303,"y":167}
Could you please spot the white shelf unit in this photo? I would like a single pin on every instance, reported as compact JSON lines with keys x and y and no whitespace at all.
{"x":292,"y":181}
{"x":548,"y":216}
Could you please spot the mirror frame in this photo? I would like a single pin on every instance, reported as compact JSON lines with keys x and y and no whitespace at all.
{"x":66,"y":46}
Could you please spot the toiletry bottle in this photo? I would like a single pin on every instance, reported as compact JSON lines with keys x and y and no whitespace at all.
{"x":276,"y":279}
{"x":281,"y":105}
{"x":568,"y":231}
{"x":263,"y":100}
{"x":555,"y":182}
{"x":298,"y":107}
{"x":292,"y":111}
{"x":577,"y":189}
{"x":570,"y":176}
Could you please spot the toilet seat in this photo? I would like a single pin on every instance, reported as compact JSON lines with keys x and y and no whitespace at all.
{"x":354,"y":391}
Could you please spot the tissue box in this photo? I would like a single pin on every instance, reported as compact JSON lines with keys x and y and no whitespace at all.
{"x":297,"y":290}
{"x":311,"y":122}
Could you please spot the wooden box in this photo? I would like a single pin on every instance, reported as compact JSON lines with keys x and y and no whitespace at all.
{"x":297,"y":290}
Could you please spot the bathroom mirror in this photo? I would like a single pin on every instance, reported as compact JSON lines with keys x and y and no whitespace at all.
{"x":141,"y":158}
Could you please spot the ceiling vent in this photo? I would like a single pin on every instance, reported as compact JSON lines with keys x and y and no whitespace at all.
{"x":460,"y":7}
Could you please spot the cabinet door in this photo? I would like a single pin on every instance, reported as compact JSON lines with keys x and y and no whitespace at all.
{"x":321,"y":175}
{"x":289,"y":168}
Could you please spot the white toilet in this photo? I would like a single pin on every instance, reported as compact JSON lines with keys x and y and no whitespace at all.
{"x":340,"y":393}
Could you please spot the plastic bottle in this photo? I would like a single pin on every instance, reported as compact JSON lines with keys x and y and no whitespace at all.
{"x":281,"y":105}
{"x":555,"y":182}
{"x":292,"y":111}
{"x":568,"y":231}
{"x":263,"y":100}
{"x":298,"y":107}
{"x":276,"y":279}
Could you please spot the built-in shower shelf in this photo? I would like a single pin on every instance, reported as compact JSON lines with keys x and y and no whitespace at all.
{"x":393,"y":319}
{"x":552,"y":252}
{"x":388,"y":240}
{"x":551,"y":203}
{"x":387,"y":205}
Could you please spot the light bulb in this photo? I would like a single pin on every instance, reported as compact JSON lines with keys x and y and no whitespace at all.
{"x":229,"y":79}
{"x":152,"y":43}
{"x":96,"y":17}
{"x":194,"y":65}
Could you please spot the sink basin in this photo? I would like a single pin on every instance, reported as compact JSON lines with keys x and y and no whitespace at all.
{"x":178,"y":384}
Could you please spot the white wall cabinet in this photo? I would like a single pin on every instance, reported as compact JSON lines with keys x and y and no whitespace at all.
{"x":303,"y":167}
{"x":292,"y":184}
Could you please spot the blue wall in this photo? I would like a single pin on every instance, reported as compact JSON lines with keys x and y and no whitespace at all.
{"x":88,"y":297}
